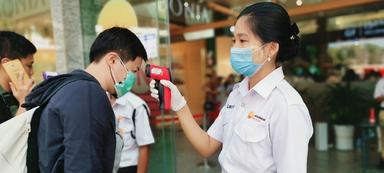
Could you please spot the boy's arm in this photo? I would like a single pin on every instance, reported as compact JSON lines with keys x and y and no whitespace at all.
{"x":142,"y":163}
{"x":144,"y":138}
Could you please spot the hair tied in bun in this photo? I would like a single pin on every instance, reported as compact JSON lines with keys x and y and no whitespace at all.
{"x":294,"y":30}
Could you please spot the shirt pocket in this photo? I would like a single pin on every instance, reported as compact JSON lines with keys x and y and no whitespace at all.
{"x":251,"y":130}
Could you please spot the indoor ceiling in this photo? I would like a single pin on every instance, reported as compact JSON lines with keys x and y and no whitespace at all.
{"x":242,"y":3}
{"x":238,"y":5}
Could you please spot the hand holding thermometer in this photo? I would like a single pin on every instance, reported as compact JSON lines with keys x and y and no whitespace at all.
{"x":160,"y":73}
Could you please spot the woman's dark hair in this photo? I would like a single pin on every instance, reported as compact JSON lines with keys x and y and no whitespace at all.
{"x":271,"y":23}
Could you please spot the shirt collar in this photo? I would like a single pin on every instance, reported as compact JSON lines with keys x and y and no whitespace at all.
{"x":265,"y":86}
{"x":269,"y":82}
{"x":242,"y":87}
{"x":123,"y":100}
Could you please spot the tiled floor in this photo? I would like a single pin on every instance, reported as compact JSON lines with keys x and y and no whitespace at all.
{"x":333,"y":161}
{"x":188,"y":160}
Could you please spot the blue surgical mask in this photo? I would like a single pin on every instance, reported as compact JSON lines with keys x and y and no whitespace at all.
{"x":242,"y":61}
{"x":126,"y":85}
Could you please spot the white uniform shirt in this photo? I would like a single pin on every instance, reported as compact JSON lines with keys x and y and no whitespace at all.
{"x":123,"y":109}
{"x":379,"y":90}
{"x":274,"y":139}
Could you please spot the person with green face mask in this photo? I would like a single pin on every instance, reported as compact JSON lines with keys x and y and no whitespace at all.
{"x":77,"y":128}
{"x":126,"y":85}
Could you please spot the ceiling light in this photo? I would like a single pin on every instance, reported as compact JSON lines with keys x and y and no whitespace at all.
{"x":299,"y":2}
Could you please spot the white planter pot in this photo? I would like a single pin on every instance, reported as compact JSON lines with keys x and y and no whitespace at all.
{"x":321,"y":136}
{"x":344,"y":137}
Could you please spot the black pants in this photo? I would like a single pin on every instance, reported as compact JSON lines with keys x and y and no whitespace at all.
{"x":129,"y":169}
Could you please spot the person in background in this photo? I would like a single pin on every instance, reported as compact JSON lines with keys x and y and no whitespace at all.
{"x":14,"y":46}
{"x":132,"y":115}
{"x":350,"y":75}
{"x":378,"y":95}
{"x":334,"y":77}
{"x":211,"y":87}
{"x":372,"y":76}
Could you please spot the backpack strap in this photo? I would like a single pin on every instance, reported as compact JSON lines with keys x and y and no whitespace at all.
{"x":32,"y":149}
{"x":134,"y":120}
{"x":5,"y":113}
{"x":134,"y":124}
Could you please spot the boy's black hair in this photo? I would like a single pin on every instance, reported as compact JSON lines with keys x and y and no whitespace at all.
{"x":15,"y":46}
{"x":119,"y":40}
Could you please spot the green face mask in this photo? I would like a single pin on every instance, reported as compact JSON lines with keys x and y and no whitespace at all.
{"x":126,"y":85}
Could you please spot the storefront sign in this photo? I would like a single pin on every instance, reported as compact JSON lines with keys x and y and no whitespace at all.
{"x":371,"y":29}
{"x":15,"y":9}
{"x":149,"y":38}
{"x":374,"y":28}
{"x":192,"y":12}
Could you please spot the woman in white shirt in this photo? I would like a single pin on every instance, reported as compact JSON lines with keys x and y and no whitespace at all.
{"x":264,"y":125}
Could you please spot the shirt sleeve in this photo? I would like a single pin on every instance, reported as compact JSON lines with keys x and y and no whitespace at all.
{"x":89,"y":136}
{"x":290,"y":133}
{"x":144,"y":134}
{"x":217,"y":128}
{"x":379,"y":89}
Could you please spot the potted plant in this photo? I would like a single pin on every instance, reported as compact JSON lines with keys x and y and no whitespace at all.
{"x":316,"y":109}
{"x":347,"y":107}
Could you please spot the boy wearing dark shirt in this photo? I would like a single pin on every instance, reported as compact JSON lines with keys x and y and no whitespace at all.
{"x":77,"y":127}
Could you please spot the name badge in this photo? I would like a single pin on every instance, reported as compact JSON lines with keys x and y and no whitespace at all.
{"x":230,"y":106}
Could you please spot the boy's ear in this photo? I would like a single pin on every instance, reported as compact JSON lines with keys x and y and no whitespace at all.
{"x":110,"y":58}
{"x":5,"y":60}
